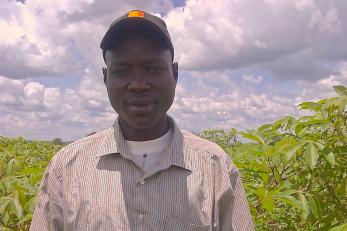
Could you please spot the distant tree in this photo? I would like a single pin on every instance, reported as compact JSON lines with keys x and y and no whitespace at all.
{"x":224,"y":138}
{"x":57,"y":141}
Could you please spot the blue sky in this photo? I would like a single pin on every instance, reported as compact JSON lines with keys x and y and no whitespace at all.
{"x":178,"y":3}
{"x":242,"y":63}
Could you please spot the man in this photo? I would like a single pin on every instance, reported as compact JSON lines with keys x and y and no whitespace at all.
{"x":143,"y":173}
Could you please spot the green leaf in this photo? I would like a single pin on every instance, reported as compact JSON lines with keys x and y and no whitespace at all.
{"x":21,"y":194}
{"x":4,"y":203}
{"x":311,"y":155}
{"x":265,"y":127}
{"x":253,"y":135}
{"x":300,"y":129}
{"x":341,"y":90}
{"x":287,"y":191}
{"x":6,"y":218}
{"x":268,"y":203}
{"x":290,"y":120}
{"x":342,"y":188}
{"x":285,"y":144}
{"x":315,"y":207}
{"x":26,"y":218}
{"x":31,"y":171}
{"x":324,"y":127}
{"x":12,"y":165}
{"x":260,"y":192}
{"x":344,"y":133}
{"x":276,"y":126}
{"x":18,"y":210}
{"x":277,"y":158}
{"x":292,"y":152}
{"x":339,"y":143}
{"x":304,"y":206}
{"x":288,"y":199}
{"x":319,"y":145}
{"x":309,"y":106}
{"x":32,"y":204}
{"x":315,"y":122}
{"x":342,"y":227}
{"x":330,"y":158}
{"x":2,"y":168}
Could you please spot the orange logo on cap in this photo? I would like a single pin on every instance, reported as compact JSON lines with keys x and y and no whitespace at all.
{"x":136,"y":14}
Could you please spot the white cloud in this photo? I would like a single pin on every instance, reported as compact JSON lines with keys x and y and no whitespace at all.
{"x":324,"y":87}
{"x":253,"y":79}
{"x":33,"y":92}
{"x":289,"y":39}
{"x":33,"y":110}
{"x":51,"y":97}
{"x":31,"y":44}
{"x":204,"y":106}
{"x":53,"y":38}
{"x":243,"y":63}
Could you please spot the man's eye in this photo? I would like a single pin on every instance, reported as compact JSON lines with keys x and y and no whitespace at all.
{"x":119,"y":72}
{"x":153,"y":69}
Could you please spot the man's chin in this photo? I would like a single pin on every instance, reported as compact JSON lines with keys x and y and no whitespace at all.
{"x":142,"y":122}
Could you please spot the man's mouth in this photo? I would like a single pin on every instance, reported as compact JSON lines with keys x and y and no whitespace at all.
{"x":140,"y":106}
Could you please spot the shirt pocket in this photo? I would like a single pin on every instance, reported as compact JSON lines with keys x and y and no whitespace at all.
{"x":100,"y":219}
{"x":184,"y":225}
{"x":194,"y":227}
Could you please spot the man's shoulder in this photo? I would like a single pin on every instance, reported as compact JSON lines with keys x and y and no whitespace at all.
{"x":83,"y":148}
{"x":199,"y":143}
{"x":90,"y":141}
{"x":206,"y":148}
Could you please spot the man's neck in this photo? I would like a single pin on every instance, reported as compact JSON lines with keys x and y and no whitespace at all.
{"x":136,"y":134}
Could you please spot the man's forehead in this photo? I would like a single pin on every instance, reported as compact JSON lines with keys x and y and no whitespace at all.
{"x":117,"y":63}
{"x":124,"y":54}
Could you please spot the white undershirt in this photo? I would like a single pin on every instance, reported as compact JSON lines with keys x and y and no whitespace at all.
{"x":147,"y":154}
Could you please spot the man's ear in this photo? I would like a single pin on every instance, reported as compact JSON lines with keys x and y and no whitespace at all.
{"x":104,"y":72}
{"x":175,"y":70}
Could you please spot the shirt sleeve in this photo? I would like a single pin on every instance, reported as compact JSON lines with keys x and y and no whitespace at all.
{"x":231,"y":207}
{"x":48,"y":214}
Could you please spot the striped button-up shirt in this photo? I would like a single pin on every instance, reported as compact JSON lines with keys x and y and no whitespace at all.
{"x":92,"y":184}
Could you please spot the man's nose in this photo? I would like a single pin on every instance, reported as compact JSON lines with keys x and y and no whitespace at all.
{"x":139,"y":82}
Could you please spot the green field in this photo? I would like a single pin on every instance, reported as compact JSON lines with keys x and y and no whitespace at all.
{"x":294,"y":170}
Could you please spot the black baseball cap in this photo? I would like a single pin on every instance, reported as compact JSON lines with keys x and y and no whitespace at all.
{"x":143,"y":19}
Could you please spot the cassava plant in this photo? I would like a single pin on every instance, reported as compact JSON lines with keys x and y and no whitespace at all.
{"x":295,"y":169}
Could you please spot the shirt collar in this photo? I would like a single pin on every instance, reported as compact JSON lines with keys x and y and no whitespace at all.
{"x":114,"y":143}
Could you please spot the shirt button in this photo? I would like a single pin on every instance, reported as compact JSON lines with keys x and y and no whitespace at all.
{"x":141,"y":217}
{"x":142,"y":182}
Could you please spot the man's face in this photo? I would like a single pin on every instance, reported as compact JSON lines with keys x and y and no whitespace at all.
{"x":140,"y":81}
